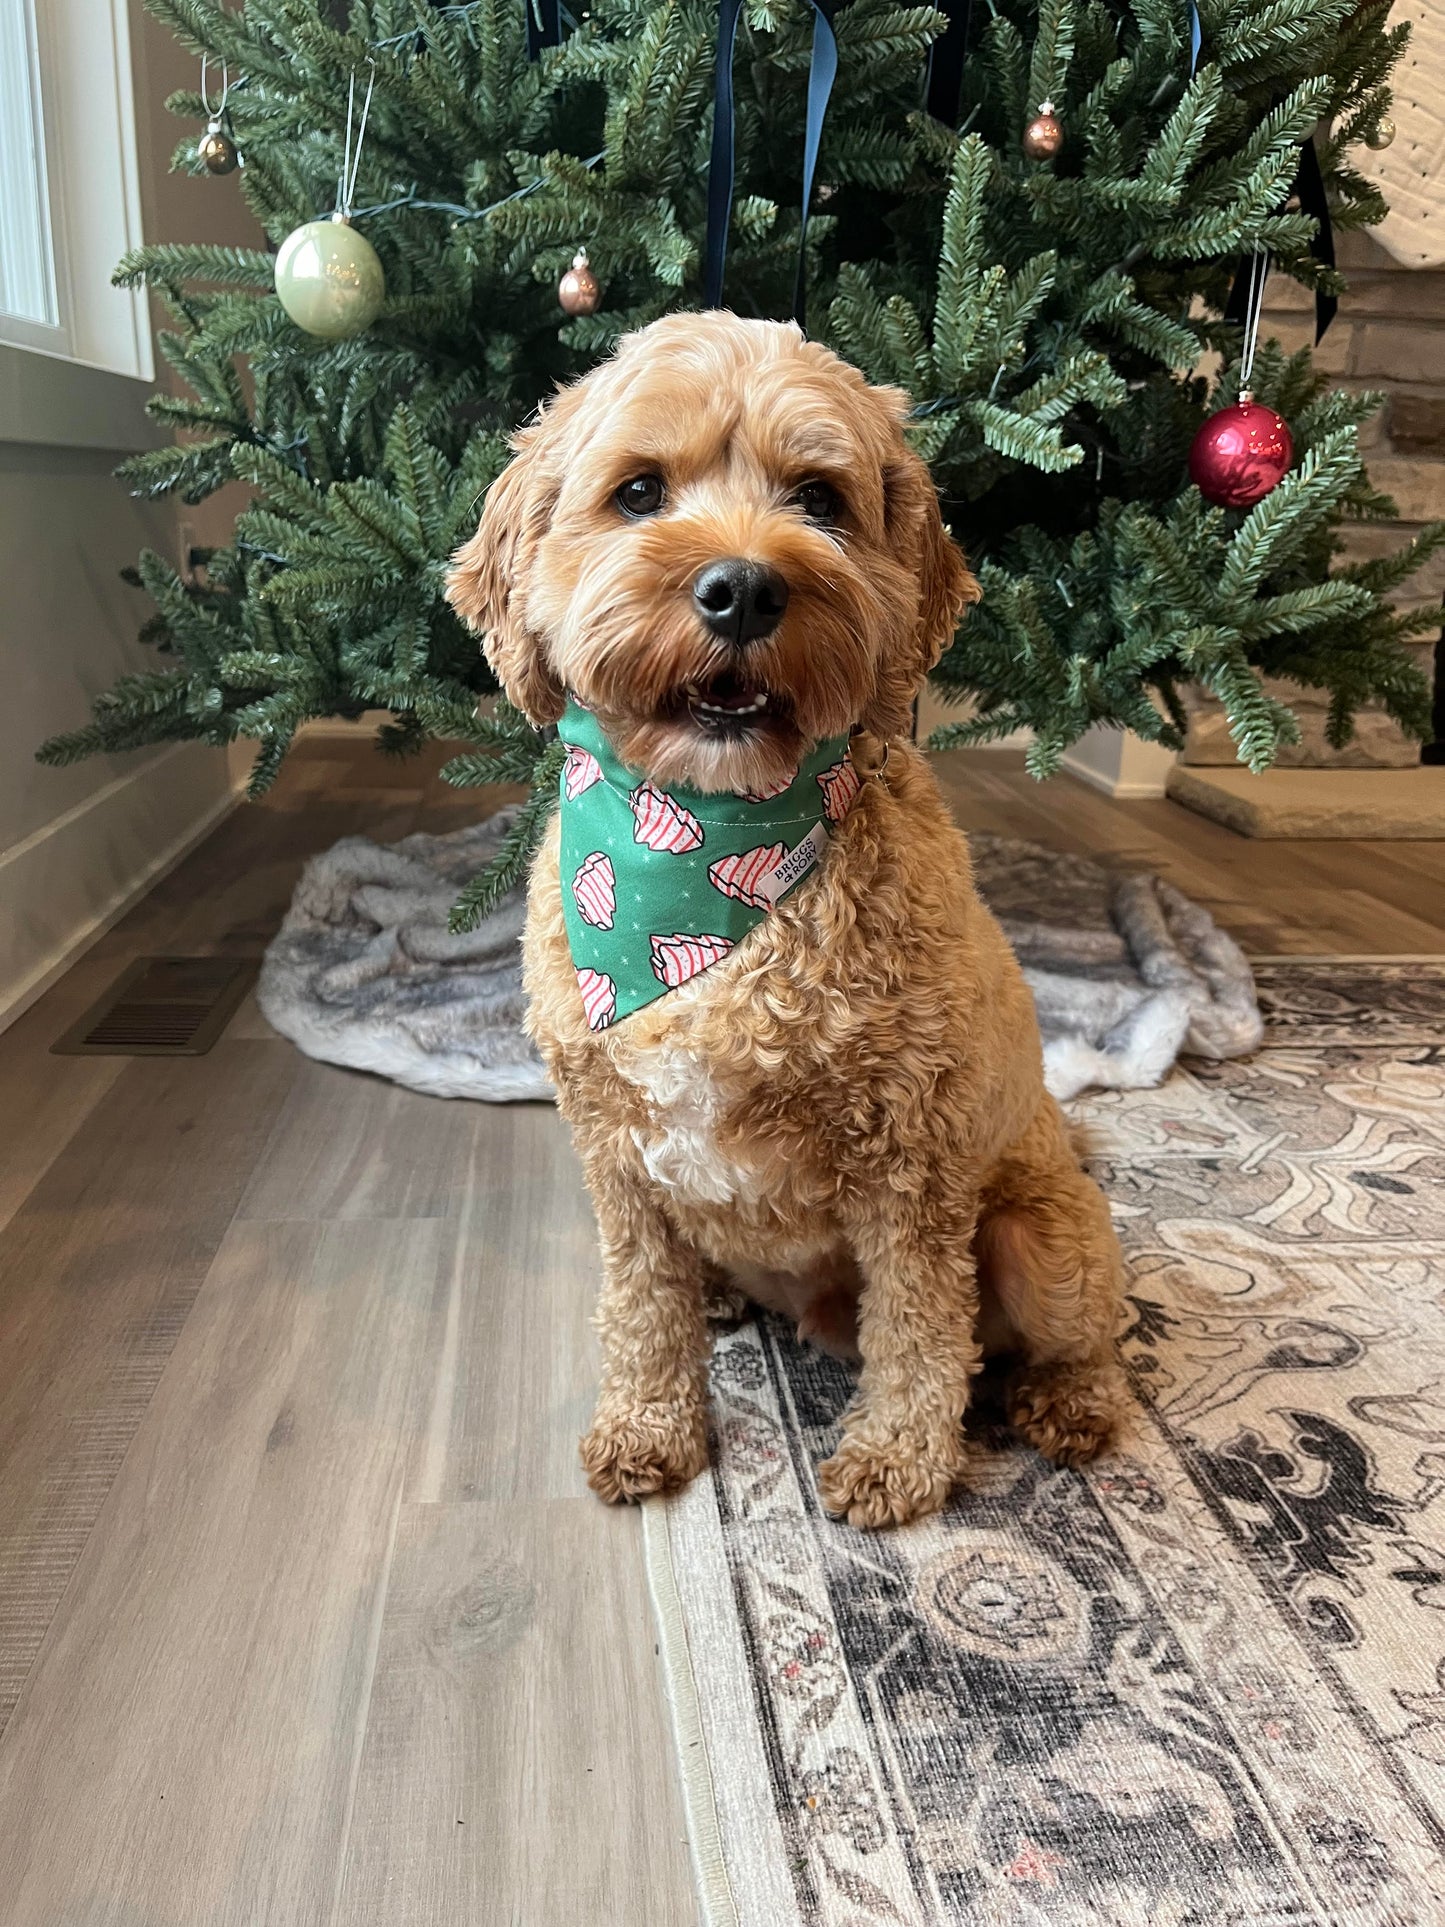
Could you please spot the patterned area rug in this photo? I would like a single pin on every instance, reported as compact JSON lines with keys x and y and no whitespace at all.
{"x":1202,"y":1685}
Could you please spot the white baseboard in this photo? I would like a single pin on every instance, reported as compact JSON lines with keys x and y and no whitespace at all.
{"x":69,"y":881}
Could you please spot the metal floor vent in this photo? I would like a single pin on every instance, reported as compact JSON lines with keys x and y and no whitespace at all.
{"x":161,"y":1007}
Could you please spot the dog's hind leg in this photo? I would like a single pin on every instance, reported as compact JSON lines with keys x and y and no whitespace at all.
{"x":821,"y":1298}
{"x":1049,"y":1260}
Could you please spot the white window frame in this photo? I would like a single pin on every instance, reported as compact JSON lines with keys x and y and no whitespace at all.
{"x":87,"y":105}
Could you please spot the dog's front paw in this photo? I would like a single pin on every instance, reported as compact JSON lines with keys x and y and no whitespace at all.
{"x":874,"y":1484}
{"x":633,"y":1452}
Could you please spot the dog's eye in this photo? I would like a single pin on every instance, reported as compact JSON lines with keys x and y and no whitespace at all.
{"x":643,"y":495}
{"x":819,"y":502}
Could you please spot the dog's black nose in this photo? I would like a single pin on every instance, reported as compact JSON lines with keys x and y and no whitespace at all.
{"x":740,"y":601}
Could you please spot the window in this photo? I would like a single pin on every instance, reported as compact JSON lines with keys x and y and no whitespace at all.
{"x":69,"y":199}
{"x":27,"y":265}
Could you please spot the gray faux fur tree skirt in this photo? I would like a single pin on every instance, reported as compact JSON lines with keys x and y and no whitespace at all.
{"x":1126,"y":972}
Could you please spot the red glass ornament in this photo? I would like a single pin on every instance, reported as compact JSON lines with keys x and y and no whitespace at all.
{"x":1240,"y":454}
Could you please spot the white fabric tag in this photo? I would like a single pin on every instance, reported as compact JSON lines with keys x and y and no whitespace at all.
{"x":794,"y":866}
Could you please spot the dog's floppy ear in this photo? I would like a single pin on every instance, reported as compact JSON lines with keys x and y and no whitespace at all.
{"x":486,"y":582}
{"x":945,"y":589}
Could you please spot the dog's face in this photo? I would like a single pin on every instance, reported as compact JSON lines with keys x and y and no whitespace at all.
{"x":719,"y":542}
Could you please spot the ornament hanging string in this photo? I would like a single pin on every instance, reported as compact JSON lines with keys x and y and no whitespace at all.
{"x":351,"y":164}
{"x":822,"y":70}
{"x":1254,"y":308}
{"x":216,"y":112}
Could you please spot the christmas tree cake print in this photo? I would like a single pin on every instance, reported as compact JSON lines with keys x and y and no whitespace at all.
{"x":740,"y":876}
{"x":594,"y":889}
{"x":599,"y":997}
{"x":580,"y":771}
{"x":676,"y":958}
{"x":769,"y":790}
{"x":661,"y":821}
{"x":840,"y":783}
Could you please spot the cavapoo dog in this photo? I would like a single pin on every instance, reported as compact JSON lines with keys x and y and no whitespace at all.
{"x":716,"y":562}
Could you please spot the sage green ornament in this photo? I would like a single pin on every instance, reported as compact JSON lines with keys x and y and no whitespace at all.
{"x":329,"y":279}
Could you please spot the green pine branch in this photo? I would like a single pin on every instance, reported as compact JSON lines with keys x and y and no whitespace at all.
{"x":1045,"y":318}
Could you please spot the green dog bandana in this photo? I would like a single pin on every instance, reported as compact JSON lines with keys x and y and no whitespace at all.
{"x":658,"y":884}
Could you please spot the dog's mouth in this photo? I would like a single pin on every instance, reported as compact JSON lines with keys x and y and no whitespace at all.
{"x":729,"y":705}
{"x":730,"y":731}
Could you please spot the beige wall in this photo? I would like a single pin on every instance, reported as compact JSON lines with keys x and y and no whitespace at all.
{"x":77,"y":845}
{"x":179,"y":207}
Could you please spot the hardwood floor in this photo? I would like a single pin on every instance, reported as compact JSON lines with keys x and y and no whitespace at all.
{"x":305,"y":1614}
{"x":1277,"y":898}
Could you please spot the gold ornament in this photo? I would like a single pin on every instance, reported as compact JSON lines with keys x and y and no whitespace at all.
{"x":1044,"y":135}
{"x":578,"y":291}
{"x":216,"y":149}
{"x":1383,"y":134}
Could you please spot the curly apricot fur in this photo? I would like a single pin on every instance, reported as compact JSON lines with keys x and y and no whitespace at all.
{"x":869,"y":1052}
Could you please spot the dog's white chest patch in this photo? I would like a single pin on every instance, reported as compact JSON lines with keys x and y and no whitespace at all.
{"x":679,"y":1146}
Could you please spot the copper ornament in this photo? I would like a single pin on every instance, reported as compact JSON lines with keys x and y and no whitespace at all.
{"x":1044,"y":135}
{"x":578,"y":291}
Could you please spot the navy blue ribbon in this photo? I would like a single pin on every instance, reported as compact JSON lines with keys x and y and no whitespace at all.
{"x":721,"y":162}
{"x":544,"y":26}
{"x":1309,"y":188}
{"x":822,"y":70}
{"x":1309,"y":185}
{"x":946,"y":60}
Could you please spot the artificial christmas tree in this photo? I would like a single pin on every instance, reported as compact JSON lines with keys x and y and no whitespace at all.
{"x":1044,"y":301}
